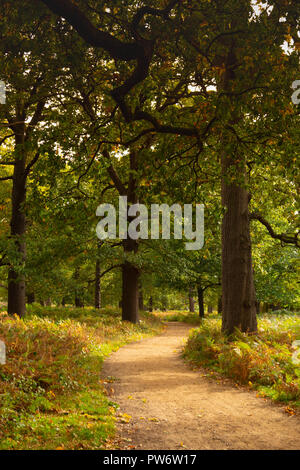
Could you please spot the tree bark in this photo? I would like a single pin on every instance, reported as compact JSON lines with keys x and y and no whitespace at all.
{"x":150,"y":304}
{"x":238,"y":291}
{"x":130,"y":286}
{"x":16,"y":281}
{"x":220,"y":304}
{"x":130,"y":273}
{"x":200,"y":293}
{"x":78,"y":302}
{"x":209,"y":309}
{"x":141,"y":299}
{"x":78,"y":294}
{"x":238,"y":295}
{"x":130,"y":310}
{"x":191,"y":301}
{"x":97,"y":285}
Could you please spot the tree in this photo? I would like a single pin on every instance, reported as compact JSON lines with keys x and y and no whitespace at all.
{"x":238,"y":52}
{"x":27,"y":68}
{"x":225,"y":101}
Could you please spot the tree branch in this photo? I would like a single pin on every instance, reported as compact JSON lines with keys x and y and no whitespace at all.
{"x":5,"y":138}
{"x":5,"y":178}
{"x":146,"y":10}
{"x":209,"y":286}
{"x":116,"y":179}
{"x":30,"y":164}
{"x":2,"y":263}
{"x":110,"y":269}
{"x":36,"y":118}
{"x":91,"y":34}
{"x":89,"y":165}
{"x":284,"y":238}
{"x":166,"y":129}
{"x":141,"y":50}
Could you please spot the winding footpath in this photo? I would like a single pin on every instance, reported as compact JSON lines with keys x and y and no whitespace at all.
{"x":165,"y":405}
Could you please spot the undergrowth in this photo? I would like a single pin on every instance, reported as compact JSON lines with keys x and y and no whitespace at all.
{"x":184,"y":317}
{"x":263,"y":361}
{"x":51,"y":396}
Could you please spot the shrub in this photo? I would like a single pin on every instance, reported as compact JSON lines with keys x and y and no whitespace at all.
{"x":263,"y":361}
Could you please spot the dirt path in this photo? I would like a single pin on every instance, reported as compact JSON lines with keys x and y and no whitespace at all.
{"x":174,"y":407}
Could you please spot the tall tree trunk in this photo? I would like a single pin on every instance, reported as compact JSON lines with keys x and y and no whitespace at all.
{"x":191,"y":301}
{"x":238,"y":291}
{"x":78,"y":302}
{"x":209,"y":309}
{"x":141,"y":299}
{"x":130,"y":286}
{"x":97,"y":285}
{"x":16,"y":281}
{"x":239,"y":300}
{"x":151,"y":304}
{"x":220,"y":305}
{"x":78,"y":294}
{"x":130,"y":310}
{"x":130,"y":273}
{"x":63,"y":302}
{"x":200,"y":293}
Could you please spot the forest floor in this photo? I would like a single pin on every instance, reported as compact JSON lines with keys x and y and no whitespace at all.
{"x":165,"y":404}
{"x":50,"y":395}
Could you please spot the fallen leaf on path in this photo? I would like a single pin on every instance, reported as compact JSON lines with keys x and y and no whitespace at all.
{"x":124,"y":418}
{"x":289,"y":411}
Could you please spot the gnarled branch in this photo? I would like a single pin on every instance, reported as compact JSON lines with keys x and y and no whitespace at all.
{"x":284,"y":238}
{"x":91,"y":34}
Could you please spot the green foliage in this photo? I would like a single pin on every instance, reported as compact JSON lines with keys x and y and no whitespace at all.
{"x":184,"y":317}
{"x":262,"y":361}
{"x":50,"y":394}
{"x":43,"y":60}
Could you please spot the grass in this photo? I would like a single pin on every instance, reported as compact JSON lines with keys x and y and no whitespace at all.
{"x":184,"y":317}
{"x":51,"y":396}
{"x":263,"y":361}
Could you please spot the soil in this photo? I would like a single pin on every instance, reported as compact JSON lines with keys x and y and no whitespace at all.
{"x":166,"y":405}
